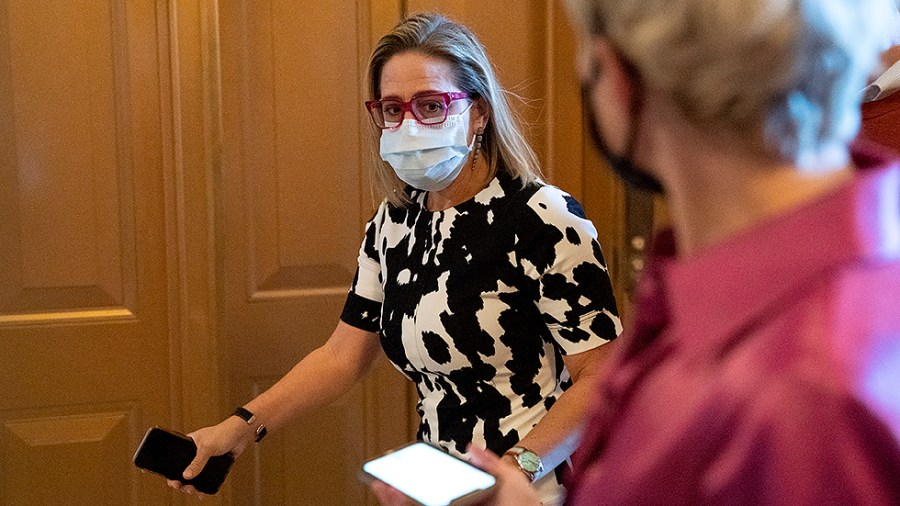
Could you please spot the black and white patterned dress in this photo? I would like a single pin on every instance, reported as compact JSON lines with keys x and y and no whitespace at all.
{"x":477,"y":305}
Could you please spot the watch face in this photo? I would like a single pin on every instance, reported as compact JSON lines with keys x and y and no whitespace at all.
{"x":529,"y":461}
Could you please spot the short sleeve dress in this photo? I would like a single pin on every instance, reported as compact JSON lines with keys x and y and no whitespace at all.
{"x":477,"y":305}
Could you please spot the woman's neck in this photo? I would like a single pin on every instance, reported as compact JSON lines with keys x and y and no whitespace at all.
{"x":714,"y":191}
{"x":470,"y":181}
{"x":716,"y":212}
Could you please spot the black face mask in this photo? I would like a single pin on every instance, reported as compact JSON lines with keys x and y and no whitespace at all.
{"x":622,"y":165}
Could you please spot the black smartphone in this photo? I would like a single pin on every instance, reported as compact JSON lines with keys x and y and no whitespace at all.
{"x":168,"y":453}
{"x":429,"y":476}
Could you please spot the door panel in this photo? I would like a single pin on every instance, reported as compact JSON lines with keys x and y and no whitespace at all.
{"x":83,"y":323}
{"x":84,"y":448}
{"x":67,"y":171}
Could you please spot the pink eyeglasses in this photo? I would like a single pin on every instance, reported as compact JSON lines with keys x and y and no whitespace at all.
{"x":430,"y":109}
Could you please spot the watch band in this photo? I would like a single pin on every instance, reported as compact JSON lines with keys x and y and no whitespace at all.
{"x":245,"y":415}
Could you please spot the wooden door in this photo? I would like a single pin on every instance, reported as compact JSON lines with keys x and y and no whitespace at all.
{"x":85,"y":326}
{"x":295,"y":199}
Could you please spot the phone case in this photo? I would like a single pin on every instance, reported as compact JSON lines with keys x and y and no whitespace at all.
{"x":167,"y":453}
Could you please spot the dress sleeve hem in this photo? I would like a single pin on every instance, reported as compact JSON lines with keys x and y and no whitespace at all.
{"x":362,"y":313}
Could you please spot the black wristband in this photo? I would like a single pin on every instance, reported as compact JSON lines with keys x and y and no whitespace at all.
{"x":249,"y":417}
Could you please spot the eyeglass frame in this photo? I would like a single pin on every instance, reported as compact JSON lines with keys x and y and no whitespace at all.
{"x":448,"y":96}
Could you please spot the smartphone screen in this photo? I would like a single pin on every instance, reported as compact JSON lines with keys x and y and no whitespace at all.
{"x":168,"y":453}
{"x":429,"y":475}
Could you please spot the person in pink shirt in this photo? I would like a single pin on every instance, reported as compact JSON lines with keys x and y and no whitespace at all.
{"x":763,"y":365}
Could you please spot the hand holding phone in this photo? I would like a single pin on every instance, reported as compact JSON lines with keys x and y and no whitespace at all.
{"x":167,"y":453}
{"x":429,"y":476}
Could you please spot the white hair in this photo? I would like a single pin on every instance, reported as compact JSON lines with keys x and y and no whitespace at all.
{"x":893,"y":36}
{"x":784,"y":74}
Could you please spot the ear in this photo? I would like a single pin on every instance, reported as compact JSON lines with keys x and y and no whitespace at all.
{"x":613,"y":89}
{"x":482,"y":114}
{"x":608,"y":66}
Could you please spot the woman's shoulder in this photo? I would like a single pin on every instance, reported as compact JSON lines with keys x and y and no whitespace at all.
{"x":554,"y":204}
{"x":515,"y":191}
{"x":542,"y":213}
{"x":540,"y":194}
{"x":380,"y":212}
{"x":388,"y":212}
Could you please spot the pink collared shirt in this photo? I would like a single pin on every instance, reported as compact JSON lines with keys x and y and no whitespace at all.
{"x":763,"y":370}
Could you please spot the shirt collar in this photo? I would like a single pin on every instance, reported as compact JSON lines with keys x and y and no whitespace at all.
{"x":723,"y":288}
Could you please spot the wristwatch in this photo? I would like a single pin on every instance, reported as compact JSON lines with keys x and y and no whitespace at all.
{"x":250,"y":418}
{"x":529,"y":462}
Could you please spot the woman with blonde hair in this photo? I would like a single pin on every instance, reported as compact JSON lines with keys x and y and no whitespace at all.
{"x":483,"y":285}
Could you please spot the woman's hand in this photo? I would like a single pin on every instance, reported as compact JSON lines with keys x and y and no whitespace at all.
{"x":512,"y":487}
{"x":388,"y":495}
{"x":230,"y":436}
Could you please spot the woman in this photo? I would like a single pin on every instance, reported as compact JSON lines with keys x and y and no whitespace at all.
{"x":762,"y":367}
{"x":483,"y":285}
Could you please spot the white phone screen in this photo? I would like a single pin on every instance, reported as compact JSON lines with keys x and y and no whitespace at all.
{"x":428,"y":475}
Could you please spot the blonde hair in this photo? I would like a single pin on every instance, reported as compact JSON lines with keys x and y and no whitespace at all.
{"x":784,"y":74}
{"x":503,"y":144}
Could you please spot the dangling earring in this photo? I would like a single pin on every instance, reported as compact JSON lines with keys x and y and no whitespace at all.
{"x":478,"y":138}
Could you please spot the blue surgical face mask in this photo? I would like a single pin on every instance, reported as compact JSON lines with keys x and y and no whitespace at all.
{"x":428,"y":157}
